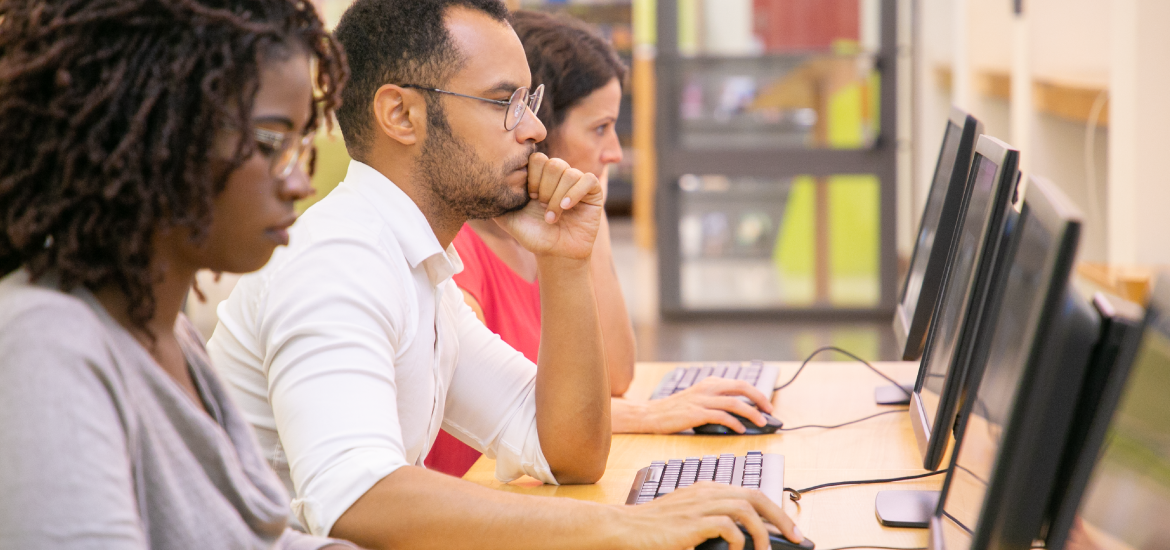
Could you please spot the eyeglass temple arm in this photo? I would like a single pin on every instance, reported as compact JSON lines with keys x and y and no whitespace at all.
{"x":496,"y":101}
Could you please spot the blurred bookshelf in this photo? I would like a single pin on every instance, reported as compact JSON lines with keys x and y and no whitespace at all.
{"x":776,"y":157}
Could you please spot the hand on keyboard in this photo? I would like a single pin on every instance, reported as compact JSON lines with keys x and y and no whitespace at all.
{"x":688,"y":517}
{"x":707,"y":402}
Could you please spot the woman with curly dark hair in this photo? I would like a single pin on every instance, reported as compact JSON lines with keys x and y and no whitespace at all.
{"x":140,"y":141}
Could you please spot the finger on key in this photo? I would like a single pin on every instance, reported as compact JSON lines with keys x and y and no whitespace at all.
{"x":536,"y":164}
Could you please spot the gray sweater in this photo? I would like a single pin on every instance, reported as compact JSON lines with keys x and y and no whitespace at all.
{"x":100,"y":448}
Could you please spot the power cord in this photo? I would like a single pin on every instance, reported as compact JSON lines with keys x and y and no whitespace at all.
{"x":841,"y":425}
{"x":843,"y":352}
{"x":797,"y":493}
{"x":862,"y":361}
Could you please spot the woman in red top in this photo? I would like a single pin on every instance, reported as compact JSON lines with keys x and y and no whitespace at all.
{"x":583,"y":79}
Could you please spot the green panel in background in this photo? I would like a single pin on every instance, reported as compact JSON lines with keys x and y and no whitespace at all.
{"x":332,"y":163}
{"x":645,"y":22}
{"x":794,"y":254}
{"x":845,"y":111}
{"x":688,"y":27}
{"x":854,"y":240}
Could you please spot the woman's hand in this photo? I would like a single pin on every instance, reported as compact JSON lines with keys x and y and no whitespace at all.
{"x":711,"y":401}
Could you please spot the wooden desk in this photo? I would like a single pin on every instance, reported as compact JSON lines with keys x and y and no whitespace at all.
{"x":826,"y":393}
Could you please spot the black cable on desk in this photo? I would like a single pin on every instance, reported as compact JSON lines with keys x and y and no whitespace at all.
{"x":841,"y":351}
{"x":841,"y":425}
{"x":796,"y":493}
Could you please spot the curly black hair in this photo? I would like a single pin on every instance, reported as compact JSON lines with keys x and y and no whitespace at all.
{"x":396,"y":42}
{"x":569,"y":58}
{"x":108,"y":114}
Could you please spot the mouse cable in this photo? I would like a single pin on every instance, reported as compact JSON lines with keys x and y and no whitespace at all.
{"x":838,"y":350}
{"x":797,"y":493}
{"x":841,"y":425}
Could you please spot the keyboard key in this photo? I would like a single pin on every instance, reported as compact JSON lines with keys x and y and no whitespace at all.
{"x":755,"y":470}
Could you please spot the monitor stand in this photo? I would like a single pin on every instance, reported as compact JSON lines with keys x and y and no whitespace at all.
{"x":893,"y":395}
{"x":911,"y":509}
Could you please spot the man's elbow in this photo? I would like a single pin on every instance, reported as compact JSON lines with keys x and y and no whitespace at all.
{"x":581,"y":474}
{"x":583,"y":468}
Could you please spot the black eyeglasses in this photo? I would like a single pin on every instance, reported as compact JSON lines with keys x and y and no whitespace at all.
{"x":515,"y":105}
{"x":286,"y":149}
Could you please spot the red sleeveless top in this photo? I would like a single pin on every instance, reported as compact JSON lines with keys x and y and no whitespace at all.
{"x":511,"y":309}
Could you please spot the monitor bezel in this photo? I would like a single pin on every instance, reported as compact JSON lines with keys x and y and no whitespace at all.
{"x":987,"y":261}
{"x":912,"y":318}
{"x":1127,"y":326}
{"x":1061,"y":332}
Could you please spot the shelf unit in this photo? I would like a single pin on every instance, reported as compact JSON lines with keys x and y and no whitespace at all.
{"x":729,"y":187}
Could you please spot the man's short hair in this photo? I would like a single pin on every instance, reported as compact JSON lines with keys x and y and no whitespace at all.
{"x":395,"y":42}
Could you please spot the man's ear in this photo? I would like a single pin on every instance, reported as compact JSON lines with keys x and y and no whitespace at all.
{"x":400,"y":113}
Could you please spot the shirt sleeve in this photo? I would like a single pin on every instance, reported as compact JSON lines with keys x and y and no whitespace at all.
{"x":491,"y":402}
{"x":329,"y":334}
{"x":58,"y":396}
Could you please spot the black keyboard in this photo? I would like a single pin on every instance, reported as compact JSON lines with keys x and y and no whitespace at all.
{"x":756,"y":471}
{"x":756,"y":373}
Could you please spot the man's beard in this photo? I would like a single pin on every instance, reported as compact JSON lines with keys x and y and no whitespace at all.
{"x":474,"y":189}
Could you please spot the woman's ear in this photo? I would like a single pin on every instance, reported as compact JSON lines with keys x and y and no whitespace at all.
{"x":400,"y":114}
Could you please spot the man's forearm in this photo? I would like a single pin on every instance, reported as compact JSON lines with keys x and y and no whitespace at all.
{"x":419,"y":509}
{"x":572,"y":382}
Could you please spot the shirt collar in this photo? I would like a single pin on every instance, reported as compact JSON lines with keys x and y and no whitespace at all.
{"x":408,"y":224}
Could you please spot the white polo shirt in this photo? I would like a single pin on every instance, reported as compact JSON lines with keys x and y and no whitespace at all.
{"x":353,"y":347}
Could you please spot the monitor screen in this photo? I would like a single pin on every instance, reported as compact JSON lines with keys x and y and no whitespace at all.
{"x":997,"y":387}
{"x":1127,"y":502}
{"x":1019,"y":410}
{"x":956,"y":317}
{"x":923,"y":282}
{"x":931,"y":217}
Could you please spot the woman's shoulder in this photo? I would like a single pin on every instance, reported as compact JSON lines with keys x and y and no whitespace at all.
{"x":23,"y":300}
{"x":35,"y":316}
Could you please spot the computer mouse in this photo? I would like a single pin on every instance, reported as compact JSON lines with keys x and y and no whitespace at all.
{"x":769,"y":427}
{"x":779,"y":542}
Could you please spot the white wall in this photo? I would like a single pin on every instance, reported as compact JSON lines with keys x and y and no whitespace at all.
{"x":1118,"y":46}
{"x":1139,"y":193}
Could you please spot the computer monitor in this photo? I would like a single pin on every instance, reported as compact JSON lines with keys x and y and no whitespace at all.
{"x":1118,"y":495}
{"x":1121,"y":328}
{"x":1016,"y":419}
{"x":939,"y":219}
{"x":985,"y":219}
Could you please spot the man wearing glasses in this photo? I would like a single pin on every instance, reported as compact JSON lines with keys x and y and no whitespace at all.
{"x":353,"y":347}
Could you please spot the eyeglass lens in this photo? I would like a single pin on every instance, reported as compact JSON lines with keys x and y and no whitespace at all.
{"x":516,"y":105}
{"x":291,"y":151}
